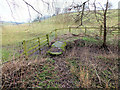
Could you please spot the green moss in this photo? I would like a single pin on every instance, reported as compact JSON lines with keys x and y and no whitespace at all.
{"x":59,"y":45}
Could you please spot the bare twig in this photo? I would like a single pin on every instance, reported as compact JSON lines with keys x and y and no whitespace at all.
{"x":10,"y":9}
{"x":96,"y":73}
{"x":101,"y":6}
{"x":82,"y":12}
{"x":105,"y":29}
{"x":29,"y":12}
{"x":95,"y":11}
{"x":46,"y":3}
{"x":32,"y":7}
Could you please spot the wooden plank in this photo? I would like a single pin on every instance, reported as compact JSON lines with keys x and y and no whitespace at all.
{"x":113,"y":27}
{"x":33,"y":51}
{"x":69,"y":29}
{"x":25,"y":49}
{"x":43,"y":41}
{"x":35,"y":38}
{"x":32,"y":44}
{"x":56,"y":33}
{"x":62,"y":28}
{"x":48,"y":40}
{"x":44,"y":44}
{"x":39,"y":45}
{"x":32,"y":48}
{"x":95,"y":27}
{"x":87,"y":27}
{"x":43,"y":36}
{"x":85,"y":30}
{"x":31,"y":40}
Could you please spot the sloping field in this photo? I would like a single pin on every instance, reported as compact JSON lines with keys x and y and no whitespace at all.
{"x":13,"y":35}
{"x":17,"y":33}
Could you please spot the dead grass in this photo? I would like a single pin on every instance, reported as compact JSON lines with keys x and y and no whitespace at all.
{"x":85,"y":66}
{"x":15,"y":73}
{"x":97,"y":68}
{"x":85,"y":81}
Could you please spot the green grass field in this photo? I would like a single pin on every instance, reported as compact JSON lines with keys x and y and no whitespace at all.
{"x":12,"y":34}
{"x":17,"y":33}
{"x":83,"y":64}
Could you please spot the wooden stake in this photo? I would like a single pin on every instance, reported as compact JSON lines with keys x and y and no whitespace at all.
{"x":55,"y":33}
{"x":47,"y":36}
{"x":39,"y":45}
{"x":69,"y":29}
{"x":25,"y":50}
{"x":85,"y":30}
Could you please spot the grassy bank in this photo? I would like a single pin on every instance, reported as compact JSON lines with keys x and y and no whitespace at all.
{"x":12,"y":34}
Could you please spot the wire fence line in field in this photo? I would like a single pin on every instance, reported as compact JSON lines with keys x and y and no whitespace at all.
{"x":27,"y":48}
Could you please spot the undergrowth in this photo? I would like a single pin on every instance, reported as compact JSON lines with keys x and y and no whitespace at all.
{"x":83,"y":64}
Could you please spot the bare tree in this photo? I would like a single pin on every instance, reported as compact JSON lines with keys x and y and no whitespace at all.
{"x":103,"y":20}
{"x":80,"y":8}
{"x":57,"y":10}
{"x":103,"y":14}
{"x":105,"y":29}
{"x":109,"y":5}
{"x":32,"y":7}
{"x":29,"y":5}
{"x":10,"y":9}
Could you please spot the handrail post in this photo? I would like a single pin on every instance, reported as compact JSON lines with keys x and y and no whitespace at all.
{"x":100,"y":30}
{"x":85,"y":30}
{"x":69,"y":29}
{"x":39,"y":45}
{"x":25,"y":50}
{"x":47,"y":36}
{"x":55,"y":33}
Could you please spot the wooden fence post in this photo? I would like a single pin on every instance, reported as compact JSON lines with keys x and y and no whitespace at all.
{"x":100,"y":30}
{"x":39,"y":45}
{"x":85,"y":30}
{"x":69,"y":29}
{"x":55,"y":33}
{"x":25,"y":50}
{"x":47,"y":36}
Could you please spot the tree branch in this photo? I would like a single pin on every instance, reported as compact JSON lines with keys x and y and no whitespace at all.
{"x":29,"y":12}
{"x":32,"y":7}
{"x":46,"y":3}
{"x":82,"y":12}
{"x":10,"y":9}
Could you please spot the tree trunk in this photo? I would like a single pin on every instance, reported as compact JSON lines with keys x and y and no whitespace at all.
{"x":105,"y":33}
{"x":105,"y":28}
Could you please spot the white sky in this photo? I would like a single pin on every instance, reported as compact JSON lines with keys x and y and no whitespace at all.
{"x":21,"y":14}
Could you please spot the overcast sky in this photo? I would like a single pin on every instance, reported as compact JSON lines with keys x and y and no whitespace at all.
{"x":20,"y":10}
